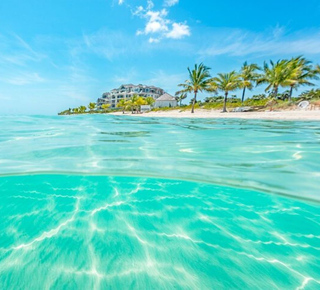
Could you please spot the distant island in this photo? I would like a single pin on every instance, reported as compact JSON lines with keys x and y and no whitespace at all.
{"x":287,"y":74}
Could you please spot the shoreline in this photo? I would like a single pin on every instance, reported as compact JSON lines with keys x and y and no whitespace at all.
{"x":294,"y":115}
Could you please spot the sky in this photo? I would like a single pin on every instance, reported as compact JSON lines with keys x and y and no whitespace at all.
{"x":60,"y":54}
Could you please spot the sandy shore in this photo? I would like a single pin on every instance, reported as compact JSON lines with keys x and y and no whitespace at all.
{"x":274,"y":115}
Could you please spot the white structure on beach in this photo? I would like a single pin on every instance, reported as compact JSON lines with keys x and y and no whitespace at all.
{"x":127,"y":91}
{"x":165,"y":100}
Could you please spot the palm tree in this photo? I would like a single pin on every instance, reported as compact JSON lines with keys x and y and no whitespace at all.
{"x":132,"y":103}
{"x":82,"y":109}
{"x":198,"y":81}
{"x":226,"y":83}
{"x":300,"y":71}
{"x":248,"y":76}
{"x":105,"y":107}
{"x":274,"y":75}
{"x":180,"y":96}
{"x":92,"y":106}
{"x":150,"y":101}
{"x":122,"y":104}
{"x":139,"y":102}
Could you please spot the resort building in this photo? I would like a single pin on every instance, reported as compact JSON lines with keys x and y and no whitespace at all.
{"x":127,"y":91}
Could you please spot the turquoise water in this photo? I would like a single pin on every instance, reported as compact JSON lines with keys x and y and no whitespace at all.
{"x":105,"y":202}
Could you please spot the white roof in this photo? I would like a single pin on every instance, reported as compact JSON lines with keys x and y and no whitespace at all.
{"x":166,"y":97}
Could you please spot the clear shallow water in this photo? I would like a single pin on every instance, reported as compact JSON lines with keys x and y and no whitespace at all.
{"x":200,"y":204}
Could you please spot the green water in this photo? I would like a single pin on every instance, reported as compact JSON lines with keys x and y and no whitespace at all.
{"x":102,"y":202}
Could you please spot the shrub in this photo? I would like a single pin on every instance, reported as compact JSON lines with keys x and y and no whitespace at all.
{"x":310,"y":95}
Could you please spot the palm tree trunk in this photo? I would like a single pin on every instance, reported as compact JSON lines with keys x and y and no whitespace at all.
{"x":291,"y":91}
{"x":276,"y":91}
{"x":194,"y":101}
{"x":243,"y":93}
{"x":225,"y":103}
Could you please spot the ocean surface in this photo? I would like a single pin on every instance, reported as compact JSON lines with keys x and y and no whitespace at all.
{"x":120,"y":202}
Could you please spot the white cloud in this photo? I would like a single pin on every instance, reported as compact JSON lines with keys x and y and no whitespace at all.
{"x":157,"y":22}
{"x":138,"y":10}
{"x":179,"y":30}
{"x":170,"y":3}
{"x":150,"y":5}
{"x":120,"y":2}
{"x":159,"y":25}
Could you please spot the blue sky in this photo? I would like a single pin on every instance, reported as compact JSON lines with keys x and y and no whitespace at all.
{"x":64,"y":53}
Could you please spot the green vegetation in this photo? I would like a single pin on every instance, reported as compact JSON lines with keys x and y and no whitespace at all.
{"x":287,"y":74}
{"x":82,"y":109}
{"x":226,"y":83}
{"x":92,"y":106}
{"x":248,"y":77}
{"x":105,"y":107}
{"x":180,"y":96}
{"x":133,"y":104}
{"x":300,"y":71}
{"x":199,"y":80}
{"x":122,"y":104}
{"x":310,"y":95}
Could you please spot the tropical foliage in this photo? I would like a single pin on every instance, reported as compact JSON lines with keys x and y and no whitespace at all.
{"x":287,"y":74}
{"x":105,"y":107}
{"x":299,"y":73}
{"x":122,"y":104}
{"x":92,"y":106}
{"x":248,"y":77}
{"x":180,"y":96}
{"x":310,"y":95}
{"x":199,"y":80}
{"x":82,"y":109}
{"x":134,"y":103}
{"x":149,"y":101}
{"x":274,"y":75}
{"x":226,"y":82}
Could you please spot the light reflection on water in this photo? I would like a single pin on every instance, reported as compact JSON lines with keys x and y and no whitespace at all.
{"x":210,"y":218}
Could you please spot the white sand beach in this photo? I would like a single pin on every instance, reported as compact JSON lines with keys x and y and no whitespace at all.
{"x":307,"y":115}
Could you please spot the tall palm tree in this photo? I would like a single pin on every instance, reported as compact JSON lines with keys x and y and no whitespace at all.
{"x":299,"y":71}
{"x":248,"y":76}
{"x":226,"y":82}
{"x":274,"y":75}
{"x":199,"y":79}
